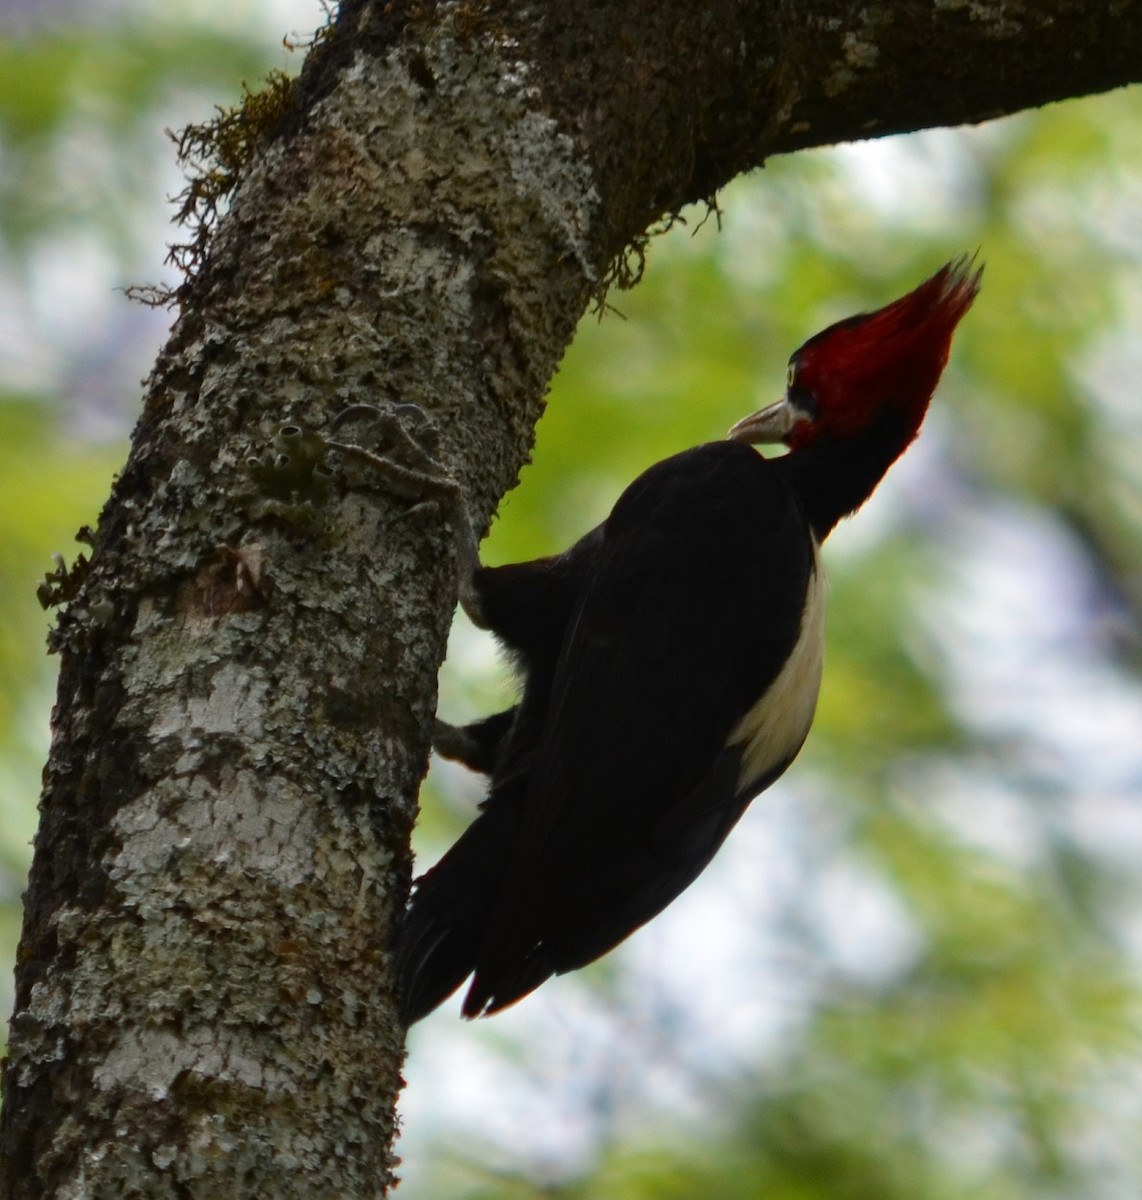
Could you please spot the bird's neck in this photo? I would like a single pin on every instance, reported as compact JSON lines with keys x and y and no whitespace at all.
{"x":834,"y":476}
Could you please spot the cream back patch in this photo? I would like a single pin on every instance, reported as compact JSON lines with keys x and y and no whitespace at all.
{"x":773,"y":730}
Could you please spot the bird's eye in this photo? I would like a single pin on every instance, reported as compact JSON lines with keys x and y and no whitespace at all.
{"x":791,"y":375}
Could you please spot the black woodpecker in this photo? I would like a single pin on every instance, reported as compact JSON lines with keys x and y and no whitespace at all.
{"x":671,"y":661}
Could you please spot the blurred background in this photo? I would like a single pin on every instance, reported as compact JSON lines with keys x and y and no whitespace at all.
{"x":913,"y":972}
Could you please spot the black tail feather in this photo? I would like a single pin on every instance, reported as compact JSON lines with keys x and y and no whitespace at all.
{"x":448,"y":914}
{"x":486,"y":997}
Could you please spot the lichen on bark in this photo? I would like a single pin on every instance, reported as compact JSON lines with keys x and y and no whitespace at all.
{"x":204,"y":1003}
{"x":244,"y":737}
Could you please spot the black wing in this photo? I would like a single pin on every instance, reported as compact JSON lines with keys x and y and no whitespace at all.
{"x":692,"y":606}
{"x":528,"y":606}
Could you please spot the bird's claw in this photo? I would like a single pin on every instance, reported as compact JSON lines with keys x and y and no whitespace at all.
{"x":404,"y":457}
{"x":406,"y":441}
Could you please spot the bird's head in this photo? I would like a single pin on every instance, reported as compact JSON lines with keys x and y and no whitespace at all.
{"x":871,"y":367}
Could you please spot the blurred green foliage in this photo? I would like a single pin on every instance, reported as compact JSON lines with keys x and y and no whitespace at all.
{"x":1000,"y":1059}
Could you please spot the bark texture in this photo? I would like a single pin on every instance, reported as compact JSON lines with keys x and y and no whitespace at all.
{"x":204,"y":1002}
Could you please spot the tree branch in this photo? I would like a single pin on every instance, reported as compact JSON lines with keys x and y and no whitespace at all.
{"x":204,"y":1001}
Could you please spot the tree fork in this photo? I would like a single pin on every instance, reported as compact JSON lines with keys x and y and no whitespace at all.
{"x":204,"y":993}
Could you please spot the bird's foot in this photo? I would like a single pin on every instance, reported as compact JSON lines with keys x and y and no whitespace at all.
{"x":476,"y":745}
{"x":405,"y":444}
{"x":453,"y":742}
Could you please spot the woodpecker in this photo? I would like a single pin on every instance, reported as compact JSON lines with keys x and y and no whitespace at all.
{"x":671,"y":660}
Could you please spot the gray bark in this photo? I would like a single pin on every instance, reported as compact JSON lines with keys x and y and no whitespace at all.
{"x":204,"y":994}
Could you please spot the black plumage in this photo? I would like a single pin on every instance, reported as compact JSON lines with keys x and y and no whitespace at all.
{"x":675,"y":580}
{"x":671,"y":660}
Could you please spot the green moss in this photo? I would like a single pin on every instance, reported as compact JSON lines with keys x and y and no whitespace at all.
{"x":629,"y":265}
{"x":215,"y":154}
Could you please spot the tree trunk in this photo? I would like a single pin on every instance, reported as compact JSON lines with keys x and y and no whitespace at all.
{"x":204,"y":998}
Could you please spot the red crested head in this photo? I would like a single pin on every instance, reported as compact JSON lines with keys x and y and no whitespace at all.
{"x":869,"y":367}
